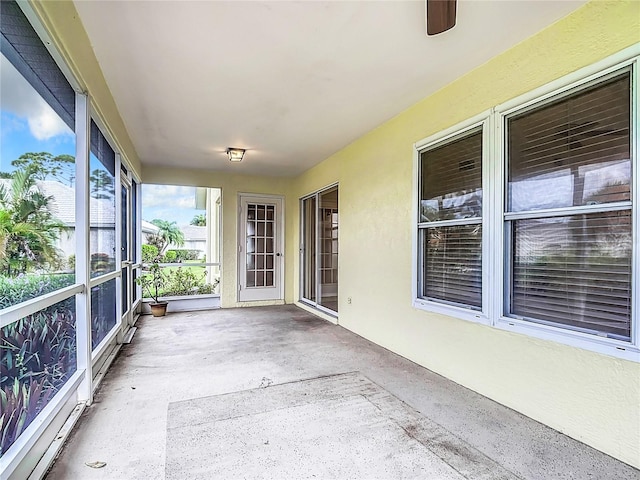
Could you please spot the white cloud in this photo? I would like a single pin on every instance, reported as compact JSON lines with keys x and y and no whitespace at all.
{"x":17,"y":96}
{"x":168,"y":196}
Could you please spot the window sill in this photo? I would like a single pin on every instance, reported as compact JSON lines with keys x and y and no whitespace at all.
{"x":585,"y":341}
{"x":451,"y":311}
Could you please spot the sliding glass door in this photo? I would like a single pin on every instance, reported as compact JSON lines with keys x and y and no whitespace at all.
{"x":319,"y":249}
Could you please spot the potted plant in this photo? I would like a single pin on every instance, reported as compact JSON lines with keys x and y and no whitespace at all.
{"x":152,"y":283}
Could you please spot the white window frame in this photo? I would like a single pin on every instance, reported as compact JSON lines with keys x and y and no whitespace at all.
{"x":494,"y":257}
{"x":560,"y":88}
{"x":442,"y":138}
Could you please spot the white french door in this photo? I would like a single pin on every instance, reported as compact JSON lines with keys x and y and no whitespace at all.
{"x":260,"y":248}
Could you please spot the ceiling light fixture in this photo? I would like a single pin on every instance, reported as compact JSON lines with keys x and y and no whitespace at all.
{"x":235,"y":154}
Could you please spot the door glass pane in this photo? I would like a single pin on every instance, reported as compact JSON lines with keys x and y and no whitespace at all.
{"x":328,"y":249}
{"x":260,"y":245}
{"x":124,"y":246}
{"x":309,"y":249}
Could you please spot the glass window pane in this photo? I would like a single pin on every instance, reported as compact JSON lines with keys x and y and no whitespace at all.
{"x":452,"y":264}
{"x":328,"y":249}
{"x":37,"y":189}
{"x":38,"y":358}
{"x":124,"y":297}
{"x":102,"y":207}
{"x":574,"y":271}
{"x":309,"y":252}
{"x":451,"y":180}
{"x":103,"y":311}
{"x":135,"y":289}
{"x":576,"y":151}
{"x":124,"y":223}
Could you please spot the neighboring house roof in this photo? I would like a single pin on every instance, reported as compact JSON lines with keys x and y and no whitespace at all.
{"x":149,"y":228}
{"x":102,"y":212}
{"x":194,"y":233}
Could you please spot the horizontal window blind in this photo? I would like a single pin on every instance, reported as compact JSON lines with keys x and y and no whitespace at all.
{"x":451,"y":189}
{"x":574,"y":151}
{"x":452,"y":179}
{"x":453,"y":264}
{"x":574,"y":271}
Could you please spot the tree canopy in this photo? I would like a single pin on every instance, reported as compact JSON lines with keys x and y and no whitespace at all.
{"x":46,"y":166}
{"x":102,"y":184}
{"x":168,"y":233}
{"x":199,"y":220}
{"x":28,"y":229}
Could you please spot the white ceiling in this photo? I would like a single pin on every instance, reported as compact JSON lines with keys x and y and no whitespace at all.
{"x":292,"y":82}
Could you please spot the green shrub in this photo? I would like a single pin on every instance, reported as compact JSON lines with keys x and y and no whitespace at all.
{"x":149,"y":253}
{"x":186,"y":255}
{"x":184,"y":281}
{"x":181,"y":255}
{"x":26,"y":287}
{"x":38,"y":357}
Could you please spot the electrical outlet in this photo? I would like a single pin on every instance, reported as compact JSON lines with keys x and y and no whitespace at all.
{"x":348,"y":300}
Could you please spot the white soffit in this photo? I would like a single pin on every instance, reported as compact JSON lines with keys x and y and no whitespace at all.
{"x":291,"y":82}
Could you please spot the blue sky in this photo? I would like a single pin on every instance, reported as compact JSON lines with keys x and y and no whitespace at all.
{"x":169,"y":202}
{"x":28,"y":124}
{"x":16,"y":138}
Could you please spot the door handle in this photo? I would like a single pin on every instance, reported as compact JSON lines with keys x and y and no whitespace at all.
{"x":278,"y":254}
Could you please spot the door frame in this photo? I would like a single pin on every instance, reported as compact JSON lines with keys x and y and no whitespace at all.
{"x":316,"y":247}
{"x":126,"y":264}
{"x":278,"y":247}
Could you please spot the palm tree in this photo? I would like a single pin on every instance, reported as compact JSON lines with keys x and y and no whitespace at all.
{"x":168,"y":233}
{"x":199,"y":220}
{"x":28,"y":230}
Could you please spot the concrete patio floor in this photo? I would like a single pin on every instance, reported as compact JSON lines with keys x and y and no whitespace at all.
{"x":275,"y":392}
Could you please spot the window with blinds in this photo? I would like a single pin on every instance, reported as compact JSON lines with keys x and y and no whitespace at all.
{"x":568,"y":210}
{"x":450,"y":222}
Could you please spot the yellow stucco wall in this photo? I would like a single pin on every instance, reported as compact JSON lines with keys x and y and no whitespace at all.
{"x":591,"y":397}
{"x":231,"y":186}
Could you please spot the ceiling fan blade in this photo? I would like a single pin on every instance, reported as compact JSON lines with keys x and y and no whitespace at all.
{"x":441,"y":16}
